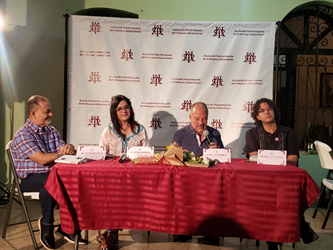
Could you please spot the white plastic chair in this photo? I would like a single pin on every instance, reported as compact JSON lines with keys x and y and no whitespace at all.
{"x":17,"y":194}
{"x":326,"y":161}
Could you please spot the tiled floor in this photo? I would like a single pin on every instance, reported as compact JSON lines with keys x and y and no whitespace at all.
{"x":18,"y":237}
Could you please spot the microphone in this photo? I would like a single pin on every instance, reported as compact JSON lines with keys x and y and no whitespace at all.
{"x":206,"y":134}
{"x":122,"y":158}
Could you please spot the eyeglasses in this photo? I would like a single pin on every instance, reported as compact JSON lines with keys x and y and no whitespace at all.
{"x":124,"y":108}
{"x":266,"y":109}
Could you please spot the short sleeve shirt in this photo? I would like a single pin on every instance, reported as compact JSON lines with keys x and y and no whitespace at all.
{"x":30,"y":139}
{"x":283,"y":138}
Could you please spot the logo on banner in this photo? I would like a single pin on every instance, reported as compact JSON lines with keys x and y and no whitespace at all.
{"x":250,"y":58}
{"x":127,"y":54}
{"x":248,"y":106}
{"x":156,"y":79}
{"x":158,"y":30}
{"x":94,"y":77}
{"x":217,"y":81}
{"x":95,"y":27}
{"x":155,"y":123}
{"x":188,"y":56}
{"x":94,"y":121}
{"x":219,"y":31}
{"x":187,"y":104}
{"x":217,"y":124}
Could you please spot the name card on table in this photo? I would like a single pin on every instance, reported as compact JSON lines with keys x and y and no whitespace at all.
{"x":218,"y":154}
{"x":272,"y":157}
{"x":135,"y":152}
{"x":92,"y":152}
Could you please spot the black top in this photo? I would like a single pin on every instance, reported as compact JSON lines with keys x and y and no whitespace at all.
{"x":283,"y":138}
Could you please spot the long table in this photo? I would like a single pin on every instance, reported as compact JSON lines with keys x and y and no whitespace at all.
{"x":238,"y":199}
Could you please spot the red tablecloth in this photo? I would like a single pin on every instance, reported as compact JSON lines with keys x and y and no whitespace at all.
{"x":239,"y":199}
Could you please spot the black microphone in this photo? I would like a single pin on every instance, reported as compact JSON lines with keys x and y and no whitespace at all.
{"x":206,"y":134}
{"x":122,"y":158}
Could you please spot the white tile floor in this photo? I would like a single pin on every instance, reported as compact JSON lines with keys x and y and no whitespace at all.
{"x":18,"y":237}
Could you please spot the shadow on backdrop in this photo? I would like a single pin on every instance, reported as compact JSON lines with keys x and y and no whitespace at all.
{"x":163,"y":130}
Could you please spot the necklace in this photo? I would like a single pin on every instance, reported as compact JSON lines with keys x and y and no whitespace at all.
{"x":125,"y":130}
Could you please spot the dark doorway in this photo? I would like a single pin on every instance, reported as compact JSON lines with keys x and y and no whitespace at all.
{"x":304,"y":85}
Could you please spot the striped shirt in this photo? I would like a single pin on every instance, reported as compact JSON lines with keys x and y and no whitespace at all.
{"x":30,"y":139}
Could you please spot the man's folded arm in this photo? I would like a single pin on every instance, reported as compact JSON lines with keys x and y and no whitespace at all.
{"x":292,"y":159}
{"x":251,"y":146}
{"x":253,"y":153}
{"x":47,"y":158}
{"x":43,"y":158}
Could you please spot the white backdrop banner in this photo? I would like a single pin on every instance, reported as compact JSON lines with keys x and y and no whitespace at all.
{"x":164,"y":67}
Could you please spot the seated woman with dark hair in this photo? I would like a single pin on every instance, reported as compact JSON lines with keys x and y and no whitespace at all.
{"x":123,"y":129}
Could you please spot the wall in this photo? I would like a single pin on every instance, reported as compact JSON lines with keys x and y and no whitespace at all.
{"x":32,"y":56}
{"x":204,"y":10}
{"x":32,"y":47}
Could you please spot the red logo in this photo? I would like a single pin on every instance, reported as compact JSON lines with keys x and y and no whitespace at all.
{"x":158,"y":30}
{"x":155,"y":123}
{"x":94,"y":121}
{"x":248,"y":106}
{"x":188,"y":56}
{"x":127,"y":54}
{"x":187,"y":104}
{"x":219,"y":31}
{"x":94,"y":77}
{"x":156,"y":79}
{"x":95,"y":27}
{"x":217,"y":124}
{"x":250,"y":58}
{"x":217,"y":81}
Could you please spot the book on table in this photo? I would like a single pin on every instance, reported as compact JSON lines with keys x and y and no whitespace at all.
{"x":72,"y":159}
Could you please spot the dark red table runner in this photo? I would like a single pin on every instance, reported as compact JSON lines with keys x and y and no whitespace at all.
{"x":238,"y":199}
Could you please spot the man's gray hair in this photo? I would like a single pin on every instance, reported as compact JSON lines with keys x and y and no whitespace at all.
{"x":199,"y":104}
{"x":33,"y":103}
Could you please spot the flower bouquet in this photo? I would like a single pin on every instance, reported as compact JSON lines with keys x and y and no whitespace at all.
{"x":192,"y":160}
{"x":175,"y":155}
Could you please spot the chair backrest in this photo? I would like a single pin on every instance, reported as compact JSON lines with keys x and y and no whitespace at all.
{"x":27,"y":195}
{"x":325,"y":157}
{"x":11,"y":161}
{"x":9,"y":152}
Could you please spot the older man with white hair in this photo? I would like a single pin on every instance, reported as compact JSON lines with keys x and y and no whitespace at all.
{"x":197,"y":135}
